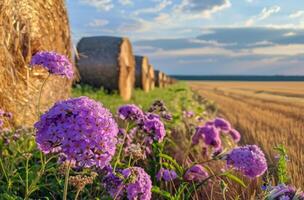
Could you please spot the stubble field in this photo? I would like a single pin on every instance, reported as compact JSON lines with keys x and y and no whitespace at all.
{"x":266,"y":113}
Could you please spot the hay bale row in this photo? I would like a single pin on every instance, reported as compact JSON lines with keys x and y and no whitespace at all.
{"x":109,"y":62}
{"x":27,"y":27}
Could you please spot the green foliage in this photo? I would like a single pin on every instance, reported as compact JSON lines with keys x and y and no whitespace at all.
{"x":281,"y":168}
{"x":176,"y":97}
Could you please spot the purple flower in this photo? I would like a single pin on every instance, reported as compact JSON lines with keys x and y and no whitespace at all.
{"x":113,"y":185}
{"x":156,"y":128}
{"x":222,"y":124}
{"x":188,"y":114}
{"x":196,"y":173}
{"x":81,"y":130}
{"x":284,"y":192}
{"x":166,"y":175}
{"x":249,"y":159}
{"x":130,"y":112}
{"x":54,"y":63}
{"x":236,"y":136}
{"x":210,"y":134}
{"x":152,"y":116}
{"x":138,"y":184}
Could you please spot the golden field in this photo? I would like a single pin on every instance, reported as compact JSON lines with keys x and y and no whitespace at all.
{"x":266,"y":114}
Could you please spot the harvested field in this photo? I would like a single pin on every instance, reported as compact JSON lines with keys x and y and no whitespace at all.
{"x":266,"y":113}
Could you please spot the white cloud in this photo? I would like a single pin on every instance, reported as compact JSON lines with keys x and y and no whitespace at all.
{"x":98,"y":23}
{"x":138,"y":25}
{"x":289,"y":34}
{"x":104,"y":5}
{"x":201,"y":8}
{"x":265,"y":13}
{"x":261,"y":43}
{"x":158,"y":7}
{"x":125,"y":2}
{"x":276,"y":50}
{"x":162,"y":18}
{"x":297,"y":14}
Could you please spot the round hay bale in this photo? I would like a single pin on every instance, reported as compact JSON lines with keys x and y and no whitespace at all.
{"x":142,"y":73}
{"x":151,"y":77}
{"x":159,"y":79}
{"x":27,"y":27}
{"x":107,"y":62}
{"x":165,"y":80}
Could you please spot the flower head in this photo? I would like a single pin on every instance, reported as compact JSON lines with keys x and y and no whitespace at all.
{"x":156,"y":128}
{"x":196,"y":173}
{"x":138,"y":184}
{"x":249,"y":160}
{"x":284,"y":192}
{"x":210,"y":134}
{"x":81,"y":130}
{"x":113,"y":185}
{"x":130,"y":112}
{"x":166,"y":175}
{"x":236,"y":136}
{"x":222,"y":124}
{"x":54,"y":63}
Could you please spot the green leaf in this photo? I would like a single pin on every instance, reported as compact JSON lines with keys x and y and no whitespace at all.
{"x":163,"y":193}
{"x":173,"y":161}
{"x":234,"y":178}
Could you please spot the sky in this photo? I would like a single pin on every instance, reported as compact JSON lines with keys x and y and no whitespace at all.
{"x":201,"y":37}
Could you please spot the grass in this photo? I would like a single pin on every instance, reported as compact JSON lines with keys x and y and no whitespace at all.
{"x":267,"y":114}
{"x":177,"y":97}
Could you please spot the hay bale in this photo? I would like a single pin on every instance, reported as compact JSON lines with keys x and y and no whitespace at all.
{"x":107,"y":62}
{"x":151,"y":77}
{"x":159,"y":79}
{"x":165,"y":80}
{"x":142,"y":73}
{"x":27,"y":27}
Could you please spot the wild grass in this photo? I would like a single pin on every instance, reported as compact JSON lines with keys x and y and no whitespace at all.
{"x":267,"y":114}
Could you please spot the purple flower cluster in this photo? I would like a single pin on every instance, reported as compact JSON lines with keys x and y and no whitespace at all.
{"x":81,"y":130}
{"x":130,"y":112}
{"x":210,"y":134}
{"x":54,"y":63}
{"x":113,"y":185}
{"x":166,"y":175}
{"x":222,"y":124}
{"x":150,"y":123}
{"x":284,"y":192}
{"x":250,"y":160}
{"x":138,"y":185}
{"x":196,"y":173}
{"x":156,"y":128}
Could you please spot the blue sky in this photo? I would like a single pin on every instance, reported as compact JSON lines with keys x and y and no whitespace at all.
{"x":208,"y":37}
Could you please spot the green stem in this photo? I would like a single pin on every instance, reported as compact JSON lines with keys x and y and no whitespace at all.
{"x":77,"y":194}
{"x":40,"y":94}
{"x":3,"y":170}
{"x":66,"y":182}
{"x":26,"y":178}
{"x":39,"y":174}
{"x":120,"y":149}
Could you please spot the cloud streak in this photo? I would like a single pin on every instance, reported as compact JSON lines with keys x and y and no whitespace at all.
{"x":103,"y":5}
{"x":264,"y":14}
